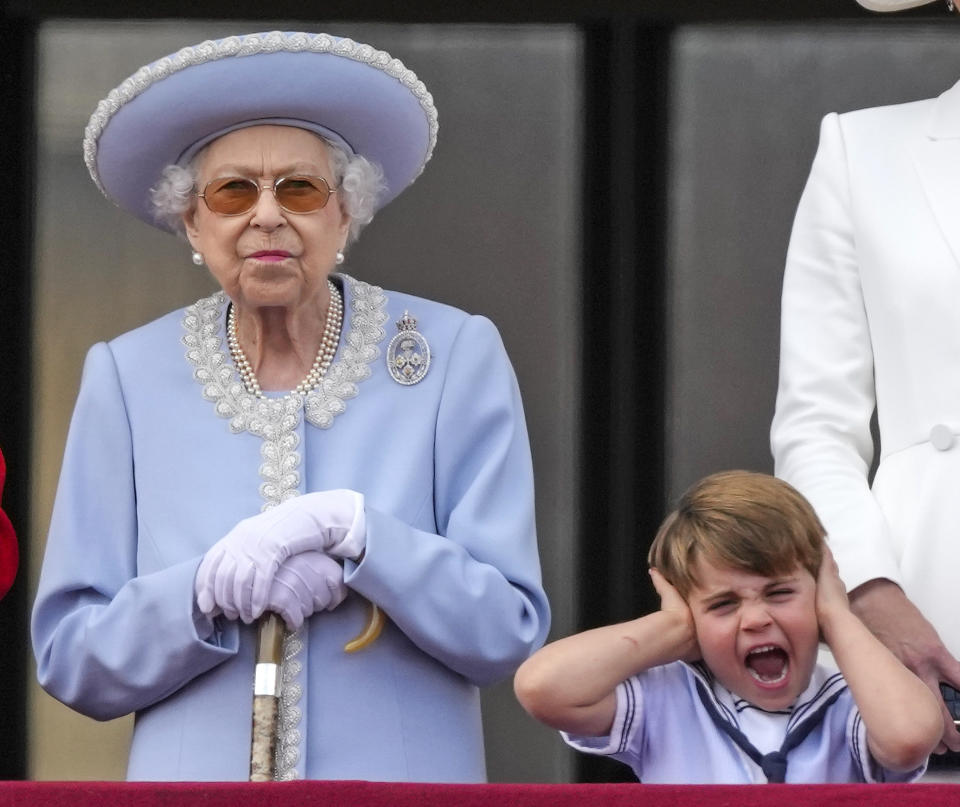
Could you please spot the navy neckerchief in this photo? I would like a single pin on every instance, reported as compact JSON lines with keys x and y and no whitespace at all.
{"x":774,"y":764}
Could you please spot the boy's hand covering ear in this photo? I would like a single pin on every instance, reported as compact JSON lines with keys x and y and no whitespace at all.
{"x":672,"y":603}
{"x":670,"y":599}
{"x":831,"y":592}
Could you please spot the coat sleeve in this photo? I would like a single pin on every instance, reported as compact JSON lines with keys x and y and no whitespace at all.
{"x":820,"y":436}
{"x":107,"y":640}
{"x":471,"y":595}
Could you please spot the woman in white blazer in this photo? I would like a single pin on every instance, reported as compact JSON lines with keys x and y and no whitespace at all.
{"x":871,"y":319}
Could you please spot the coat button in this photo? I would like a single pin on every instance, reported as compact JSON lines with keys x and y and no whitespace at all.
{"x":941,"y":437}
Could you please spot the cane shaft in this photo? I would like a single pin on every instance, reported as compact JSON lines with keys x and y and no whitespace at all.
{"x":266,"y":699}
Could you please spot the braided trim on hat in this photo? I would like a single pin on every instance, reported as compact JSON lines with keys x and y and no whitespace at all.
{"x":250,"y":45}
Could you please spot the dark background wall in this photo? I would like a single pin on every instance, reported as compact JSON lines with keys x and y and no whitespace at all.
{"x":698,"y":125}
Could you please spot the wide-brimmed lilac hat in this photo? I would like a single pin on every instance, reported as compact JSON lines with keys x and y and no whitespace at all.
{"x":353,"y":94}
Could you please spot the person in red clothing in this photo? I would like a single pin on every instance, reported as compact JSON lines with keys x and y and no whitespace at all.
{"x":8,"y":541}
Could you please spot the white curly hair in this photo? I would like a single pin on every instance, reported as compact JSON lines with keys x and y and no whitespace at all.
{"x":359,"y":181}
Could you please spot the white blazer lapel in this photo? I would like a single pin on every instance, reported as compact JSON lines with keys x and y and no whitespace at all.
{"x":937,"y":157}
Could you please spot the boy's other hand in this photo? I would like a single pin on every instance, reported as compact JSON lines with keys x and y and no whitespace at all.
{"x":831,"y":592}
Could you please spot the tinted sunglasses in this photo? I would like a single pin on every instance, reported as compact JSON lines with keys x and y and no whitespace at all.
{"x":234,"y":196}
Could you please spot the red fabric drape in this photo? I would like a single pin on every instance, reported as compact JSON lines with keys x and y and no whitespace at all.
{"x":375,"y":794}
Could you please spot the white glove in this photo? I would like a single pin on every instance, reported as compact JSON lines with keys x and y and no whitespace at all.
{"x":304,"y":584}
{"x":236,"y":573}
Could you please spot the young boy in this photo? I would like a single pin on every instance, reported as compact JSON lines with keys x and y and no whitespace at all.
{"x":722,"y":685}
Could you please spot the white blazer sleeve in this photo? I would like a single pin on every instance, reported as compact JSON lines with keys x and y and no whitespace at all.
{"x":821,"y":429}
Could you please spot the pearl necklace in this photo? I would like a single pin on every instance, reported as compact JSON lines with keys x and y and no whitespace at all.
{"x":325,"y":353}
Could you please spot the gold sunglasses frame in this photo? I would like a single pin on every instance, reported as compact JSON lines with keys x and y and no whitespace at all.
{"x":272,"y":187}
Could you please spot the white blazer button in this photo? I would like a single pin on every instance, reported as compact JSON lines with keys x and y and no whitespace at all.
{"x":941,"y":437}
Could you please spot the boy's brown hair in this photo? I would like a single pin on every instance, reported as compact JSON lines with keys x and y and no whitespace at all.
{"x":741,"y":520}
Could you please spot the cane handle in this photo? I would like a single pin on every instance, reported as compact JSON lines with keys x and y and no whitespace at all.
{"x":370,"y":632}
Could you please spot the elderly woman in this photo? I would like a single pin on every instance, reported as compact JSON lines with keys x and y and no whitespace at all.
{"x":300,"y":442}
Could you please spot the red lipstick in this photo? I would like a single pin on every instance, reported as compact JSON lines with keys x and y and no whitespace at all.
{"x":270,"y":255}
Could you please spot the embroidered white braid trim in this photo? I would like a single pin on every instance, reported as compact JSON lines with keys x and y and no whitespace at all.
{"x":275,"y":421}
{"x":289,"y":713}
{"x":250,"y":45}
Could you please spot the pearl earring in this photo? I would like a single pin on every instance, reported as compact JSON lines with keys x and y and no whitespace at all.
{"x":197,"y":258}
{"x":340,"y":257}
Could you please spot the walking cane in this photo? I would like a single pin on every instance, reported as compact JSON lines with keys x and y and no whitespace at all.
{"x":267,"y":684}
{"x":266,"y":698}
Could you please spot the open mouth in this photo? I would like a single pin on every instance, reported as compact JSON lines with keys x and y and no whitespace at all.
{"x":768,"y":664}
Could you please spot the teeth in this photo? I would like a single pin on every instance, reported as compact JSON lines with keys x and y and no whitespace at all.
{"x":777,"y":680}
{"x":767,"y":680}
